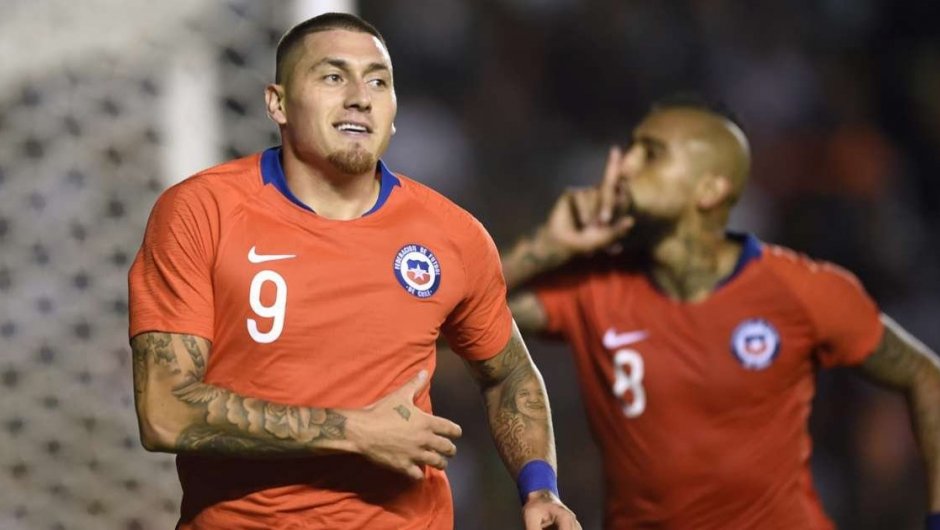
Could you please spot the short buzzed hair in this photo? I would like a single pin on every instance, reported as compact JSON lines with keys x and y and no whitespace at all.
{"x":732,"y":140}
{"x":324,"y":22}
{"x":696,"y":101}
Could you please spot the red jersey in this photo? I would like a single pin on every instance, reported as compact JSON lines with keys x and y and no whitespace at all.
{"x":309,"y":311}
{"x":700,"y":409}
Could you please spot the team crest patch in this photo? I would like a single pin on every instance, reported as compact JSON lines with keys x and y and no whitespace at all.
{"x":755,"y":343}
{"x":418,"y":270}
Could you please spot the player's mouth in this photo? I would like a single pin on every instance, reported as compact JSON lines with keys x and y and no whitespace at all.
{"x":353,"y":128}
{"x":623,"y":203}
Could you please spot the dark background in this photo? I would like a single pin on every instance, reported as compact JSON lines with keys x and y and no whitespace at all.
{"x":502,"y":105}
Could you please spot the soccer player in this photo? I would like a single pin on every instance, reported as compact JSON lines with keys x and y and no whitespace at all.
{"x":284,"y":312}
{"x":696,"y":348}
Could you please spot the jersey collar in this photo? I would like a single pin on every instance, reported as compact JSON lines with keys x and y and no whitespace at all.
{"x":272,"y":172}
{"x":750,"y":251}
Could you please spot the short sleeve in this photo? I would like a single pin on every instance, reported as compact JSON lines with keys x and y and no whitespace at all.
{"x":479,"y":326}
{"x":846,"y":319}
{"x":170,"y":281}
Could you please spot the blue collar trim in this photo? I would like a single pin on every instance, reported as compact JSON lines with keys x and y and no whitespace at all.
{"x":750,"y":251}
{"x":387,"y":183}
{"x":272,"y":172}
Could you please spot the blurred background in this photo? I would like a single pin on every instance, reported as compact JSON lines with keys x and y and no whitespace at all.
{"x":503,"y":103}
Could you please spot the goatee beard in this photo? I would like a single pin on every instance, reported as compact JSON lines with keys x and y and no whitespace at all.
{"x":352,"y":161}
{"x":647,"y":232}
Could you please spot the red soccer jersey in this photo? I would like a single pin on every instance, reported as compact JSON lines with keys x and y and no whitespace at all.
{"x":308,"y":311}
{"x":700,"y":409}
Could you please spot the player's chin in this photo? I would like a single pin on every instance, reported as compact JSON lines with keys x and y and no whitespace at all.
{"x":648,"y":230}
{"x":625,"y":206}
{"x":353,"y":161}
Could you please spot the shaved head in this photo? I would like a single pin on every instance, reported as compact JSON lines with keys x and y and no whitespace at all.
{"x":719,"y":145}
{"x":714,"y":143}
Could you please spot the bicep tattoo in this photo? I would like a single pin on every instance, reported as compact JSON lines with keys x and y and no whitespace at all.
{"x":155,"y":349}
{"x":196,"y":354}
{"x":497,"y":368}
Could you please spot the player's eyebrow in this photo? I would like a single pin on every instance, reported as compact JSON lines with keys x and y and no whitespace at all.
{"x":345,"y":66}
{"x":653,"y":144}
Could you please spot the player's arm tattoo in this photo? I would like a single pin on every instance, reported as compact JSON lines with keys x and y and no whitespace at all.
{"x":529,"y":258}
{"x":902,"y":362}
{"x":517,"y":405}
{"x":168,"y":381}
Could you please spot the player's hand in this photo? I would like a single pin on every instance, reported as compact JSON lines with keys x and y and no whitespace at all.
{"x":613,"y":200}
{"x":396,"y":434}
{"x":585,"y":220}
{"x":544,"y":510}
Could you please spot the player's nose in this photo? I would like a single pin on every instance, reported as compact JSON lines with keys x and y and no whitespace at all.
{"x":631,"y":161}
{"x":358,"y":96}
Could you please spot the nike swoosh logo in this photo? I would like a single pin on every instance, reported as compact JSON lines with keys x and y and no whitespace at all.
{"x":613,"y":340}
{"x":254,"y":257}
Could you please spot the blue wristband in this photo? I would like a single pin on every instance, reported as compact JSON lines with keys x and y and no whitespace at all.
{"x":933,"y":521}
{"x":537,"y":475}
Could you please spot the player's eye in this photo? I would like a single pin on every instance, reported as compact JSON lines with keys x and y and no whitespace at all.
{"x":332,"y":78}
{"x":651,"y":153}
{"x":378,"y":83}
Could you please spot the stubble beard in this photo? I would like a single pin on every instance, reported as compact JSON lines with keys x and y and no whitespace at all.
{"x":355,"y":161}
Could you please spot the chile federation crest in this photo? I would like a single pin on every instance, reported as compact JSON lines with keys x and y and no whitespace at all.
{"x":417,"y":270}
{"x":755,"y":343}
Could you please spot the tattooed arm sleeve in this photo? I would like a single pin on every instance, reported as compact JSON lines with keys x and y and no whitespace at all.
{"x":902,"y":362}
{"x":178,"y":412}
{"x":516,"y":404}
{"x":530,"y":257}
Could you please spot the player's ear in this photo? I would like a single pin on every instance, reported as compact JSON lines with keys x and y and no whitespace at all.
{"x":713,"y":190}
{"x":274,"y":103}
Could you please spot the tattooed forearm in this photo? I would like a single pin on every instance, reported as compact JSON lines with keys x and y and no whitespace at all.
{"x":519,"y":417}
{"x":208,"y":439}
{"x":516,"y":404}
{"x":530,"y":257}
{"x":180,"y":412}
{"x":509,"y":432}
{"x":924,"y":401}
{"x":232,"y":422}
{"x":900,"y":361}
{"x":539,"y":258}
{"x":236,"y":425}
